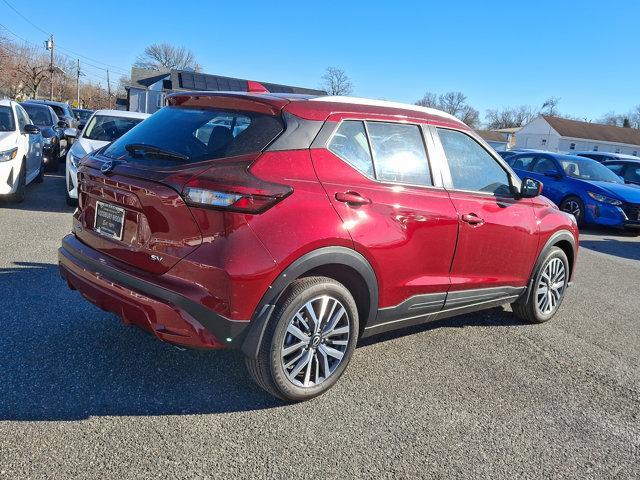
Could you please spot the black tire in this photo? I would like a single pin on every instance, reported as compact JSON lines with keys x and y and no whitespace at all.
{"x":18,"y":195}
{"x":40,"y":177}
{"x":528,"y":307}
{"x":268,"y":369}
{"x":54,"y":161}
{"x":575,"y":206}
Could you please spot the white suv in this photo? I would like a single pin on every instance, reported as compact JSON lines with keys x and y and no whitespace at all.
{"x":21,"y":160}
{"x":103,"y":127}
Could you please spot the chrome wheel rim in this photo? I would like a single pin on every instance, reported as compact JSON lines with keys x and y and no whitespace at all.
{"x":551,"y":286}
{"x":572,"y":207}
{"x":315,"y":342}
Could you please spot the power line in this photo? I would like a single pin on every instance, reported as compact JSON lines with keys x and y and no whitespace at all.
{"x":112,"y":67}
{"x":25,"y":18}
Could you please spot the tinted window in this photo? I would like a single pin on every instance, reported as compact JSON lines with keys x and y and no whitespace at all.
{"x":472,"y":167}
{"x":175,"y":135}
{"x":544,"y":165}
{"x":108,"y":128}
{"x":522,"y":163}
{"x":615,"y":167}
{"x":398,"y":153}
{"x":632,"y":174}
{"x":39,"y":115}
{"x":7,"y":124}
{"x":59,"y":111}
{"x":586,"y":169}
{"x":350,"y":143}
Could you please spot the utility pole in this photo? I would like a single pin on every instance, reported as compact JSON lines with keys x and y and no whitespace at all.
{"x":50,"y":45}
{"x":108,"y":89}
{"x":78,"y":84}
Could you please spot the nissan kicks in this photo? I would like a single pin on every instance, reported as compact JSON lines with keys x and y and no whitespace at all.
{"x":290,"y":227}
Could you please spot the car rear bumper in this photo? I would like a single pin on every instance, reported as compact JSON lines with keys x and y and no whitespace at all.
{"x":170,"y":316}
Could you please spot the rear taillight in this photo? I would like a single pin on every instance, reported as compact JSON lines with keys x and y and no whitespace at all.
{"x":231,"y":186}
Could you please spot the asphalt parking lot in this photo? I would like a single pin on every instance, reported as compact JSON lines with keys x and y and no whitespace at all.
{"x":477,"y":396}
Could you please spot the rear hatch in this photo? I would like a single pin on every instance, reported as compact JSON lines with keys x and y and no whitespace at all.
{"x":132,"y":192}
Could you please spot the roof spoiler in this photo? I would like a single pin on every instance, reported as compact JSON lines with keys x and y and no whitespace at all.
{"x":256,"y":87}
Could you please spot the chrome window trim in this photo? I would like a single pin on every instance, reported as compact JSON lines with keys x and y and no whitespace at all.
{"x":422,"y":128}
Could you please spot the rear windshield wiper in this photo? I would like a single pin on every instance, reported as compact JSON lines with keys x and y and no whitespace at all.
{"x":133,"y":148}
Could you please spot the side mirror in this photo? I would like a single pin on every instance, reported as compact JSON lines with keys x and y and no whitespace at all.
{"x":31,"y":129}
{"x":63,"y":124}
{"x":71,"y":132}
{"x":552,"y":174}
{"x":80,"y":126}
{"x":530,"y":188}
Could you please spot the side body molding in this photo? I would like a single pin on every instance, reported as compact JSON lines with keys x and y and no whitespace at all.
{"x":314,"y":259}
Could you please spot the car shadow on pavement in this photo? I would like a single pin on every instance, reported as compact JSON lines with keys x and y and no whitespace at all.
{"x":492,"y":317}
{"x":61,"y":358}
{"x":48,"y":196}
{"x":628,"y":249}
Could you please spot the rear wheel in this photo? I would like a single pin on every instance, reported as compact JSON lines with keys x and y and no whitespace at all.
{"x":40,"y":177}
{"x":575,"y":207}
{"x":548,"y":288}
{"x":309,"y":340}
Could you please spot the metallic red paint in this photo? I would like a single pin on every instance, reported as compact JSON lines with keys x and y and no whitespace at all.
{"x":418,"y":240}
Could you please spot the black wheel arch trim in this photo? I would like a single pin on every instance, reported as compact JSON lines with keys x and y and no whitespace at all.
{"x":304,"y":264}
{"x":561,"y":235}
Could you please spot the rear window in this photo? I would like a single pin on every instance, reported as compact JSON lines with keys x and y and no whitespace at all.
{"x":39,"y":115}
{"x":108,"y":128}
{"x":179,"y":135}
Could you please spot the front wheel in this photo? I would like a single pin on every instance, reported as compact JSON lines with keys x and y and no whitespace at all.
{"x":548,"y":288}
{"x":575,"y":207}
{"x":40,"y":177}
{"x":309,"y":340}
{"x":18,"y":195}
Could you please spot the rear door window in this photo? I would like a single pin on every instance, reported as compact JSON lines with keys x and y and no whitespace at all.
{"x":350,"y":143}
{"x":399,"y":153}
{"x":544,"y":165}
{"x":179,"y":135}
{"x":521,"y":163}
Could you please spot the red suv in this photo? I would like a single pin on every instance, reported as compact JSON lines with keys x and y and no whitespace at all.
{"x":292,"y":226}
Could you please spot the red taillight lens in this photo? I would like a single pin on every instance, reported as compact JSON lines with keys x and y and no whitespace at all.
{"x":231,"y":186}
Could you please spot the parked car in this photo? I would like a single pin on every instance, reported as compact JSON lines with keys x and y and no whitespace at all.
{"x":63,"y":111}
{"x":628,"y":170}
{"x":82,"y":115}
{"x":605,"y":156}
{"x":323,"y":220}
{"x":103,"y":127}
{"x":20,"y":151}
{"x":508,"y":153}
{"x":583,"y":187}
{"x":52,"y":128}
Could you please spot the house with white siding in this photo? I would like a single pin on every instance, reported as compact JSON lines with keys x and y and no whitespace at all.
{"x":563,"y":135}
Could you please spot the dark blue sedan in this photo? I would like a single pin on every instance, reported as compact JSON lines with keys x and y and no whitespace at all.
{"x":583,"y":187}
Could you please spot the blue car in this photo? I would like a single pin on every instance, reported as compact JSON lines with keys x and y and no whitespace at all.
{"x":583,"y":187}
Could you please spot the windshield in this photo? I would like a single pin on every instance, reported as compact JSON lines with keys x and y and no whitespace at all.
{"x":193,"y":135}
{"x":107,"y":128}
{"x":586,"y":169}
{"x":40,"y":116}
{"x":6,"y":120}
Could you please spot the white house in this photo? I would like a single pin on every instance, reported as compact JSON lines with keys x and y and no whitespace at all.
{"x":563,"y":135}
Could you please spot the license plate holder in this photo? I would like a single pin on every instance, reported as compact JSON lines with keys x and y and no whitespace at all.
{"x":109,"y":220}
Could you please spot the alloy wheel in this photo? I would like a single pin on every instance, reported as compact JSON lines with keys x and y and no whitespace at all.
{"x":551,"y":286}
{"x":315,"y":342}
{"x":572,"y":207}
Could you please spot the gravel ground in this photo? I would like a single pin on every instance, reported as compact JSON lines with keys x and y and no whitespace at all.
{"x":477,"y":396}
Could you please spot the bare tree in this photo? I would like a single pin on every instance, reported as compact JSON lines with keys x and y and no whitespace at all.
{"x":454,"y":103}
{"x":164,"y":56}
{"x":611,"y":118}
{"x":336,"y":82}
{"x":509,"y":117}
{"x":550,"y":106}
{"x":33,"y":69}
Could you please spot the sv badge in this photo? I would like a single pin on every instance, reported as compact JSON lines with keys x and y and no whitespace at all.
{"x":156,"y":258}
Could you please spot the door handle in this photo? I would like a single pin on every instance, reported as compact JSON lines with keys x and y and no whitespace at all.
{"x":352,"y":198}
{"x":472,"y":219}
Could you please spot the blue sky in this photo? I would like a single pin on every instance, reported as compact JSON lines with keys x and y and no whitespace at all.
{"x":497,"y":53}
